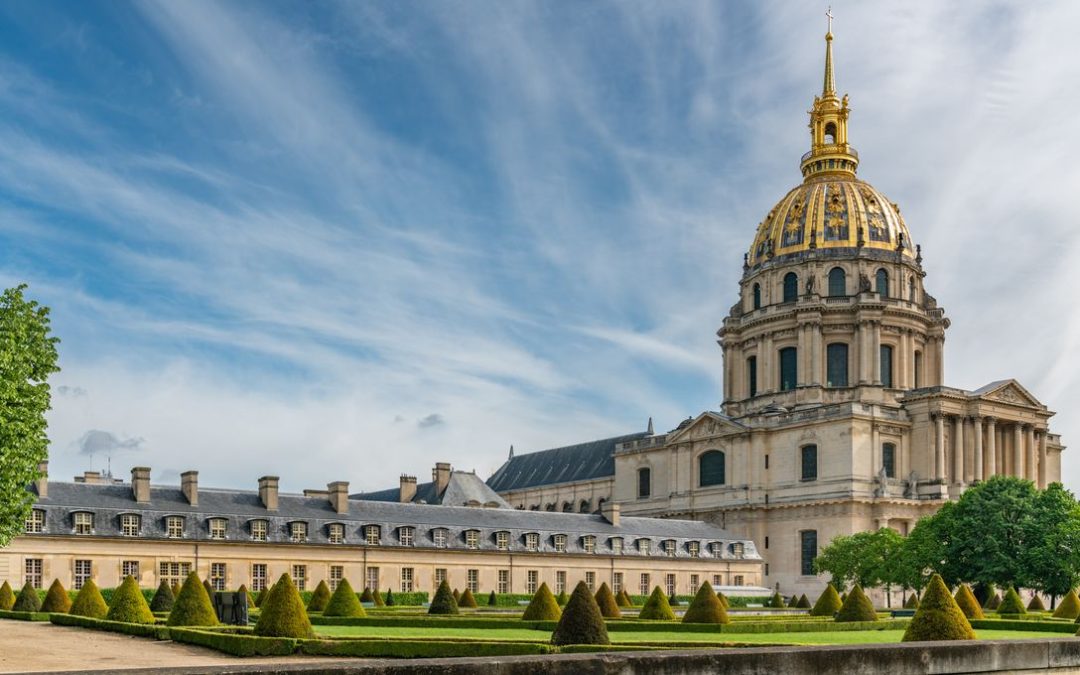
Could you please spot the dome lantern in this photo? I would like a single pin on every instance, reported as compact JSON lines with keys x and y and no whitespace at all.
{"x":829,"y":152}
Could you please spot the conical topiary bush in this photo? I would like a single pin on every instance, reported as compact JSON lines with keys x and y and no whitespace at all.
{"x":389,"y":601}
{"x":206,"y":585}
{"x":319,"y":598}
{"x":467,"y":600}
{"x":492,"y":600}
{"x":793,"y":602}
{"x":622,"y":599}
{"x":1011,"y":603}
{"x":912,"y":601}
{"x":777,"y":601}
{"x":366,"y":595}
{"x":723,"y":600}
{"x":605,"y":600}
{"x":828,"y":603}
{"x":938,"y":616}
{"x":377,"y":598}
{"x":344,"y":602}
{"x":1069,"y":607}
{"x":246,"y":593}
{"x":804,"y":602}
{"x":542,"y":607}
{"x":657,"y":608}
{"x":89,"y":602}
{"x":283,"y":613}
{"x":581,"y":622}
{"x":967,"y":603}
{"x":1036,"y":604}
{"x":443,"y":602}
{"x":57,"y":599}
{"x":261,"y":596}
{"x":7,"y":597}
{"x":562,"y":598}
{"x":163,"y":598}
{"x":705,"y":607}
{"x":27,"y":600}
{"x":457,"y":595}
{"x":193,"y":607}
{"x":857,"y":607}
{"x":994,"y":602}
{"x":673,"y":600}
{"x":175,"y":588}
{"x":129,"y":605}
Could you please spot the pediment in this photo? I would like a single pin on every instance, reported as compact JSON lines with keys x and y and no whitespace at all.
{"x":706,"y":425}
{"x":1008,"y":391}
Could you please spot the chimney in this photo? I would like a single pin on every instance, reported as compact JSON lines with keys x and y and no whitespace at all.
{"x":140,"y":484}
{"x":43,"y":480}
{"x":189,"y":485}
{"x":407,"y":491}
{"x":268,"y":492}
{"x":441,"y":476}
{"x":610,"y":512}
{"x":339,"y":495}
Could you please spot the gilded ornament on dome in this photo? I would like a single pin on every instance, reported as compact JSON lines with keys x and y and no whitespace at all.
{"x":836,"y":214}
{"x":875,"y":217}
{"x":794,"y":223}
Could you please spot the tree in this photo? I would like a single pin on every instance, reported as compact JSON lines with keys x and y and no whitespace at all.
{"x":27,"y":357}
{"x":925,"y":550}
{"x":869,"y":559}
{"x":1052,"y":558}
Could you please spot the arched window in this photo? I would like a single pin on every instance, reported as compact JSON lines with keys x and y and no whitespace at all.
{"x":751,"y":375}
{"x":888,"y":459}
{"x":830,"y":133}
{"x":837,"y":282}
{"x":644,"y":482}
{"x":881,"y":283}
{"x":789,"y":368}
{"x":809,"y":462}
{"x":791,"y":287}
{"x":583,"y":507}
{"x":918,"y":369}
{"x":886,"y":366}
{"x":568,"y":507}
{"x":836,"y":365}
{"x":712,"y":469}
{"x":757,"y":296}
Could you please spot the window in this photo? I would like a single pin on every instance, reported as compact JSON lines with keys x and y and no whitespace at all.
{"x":218,"y":527}
{"x":791,"y":287}
{"x":438,"y":536}
{"x":809,"y":462}
{"x":716,"y":580}
{"x":616,"y":582}
{"x":372,"y":578}
{"x":405,"y":535}
{"x":757,"y":296}
{"x":174,"y":527}
{"x":502,"y":585}
{"x":502,"y":541}
{"x":766,"y":542}
{"x":299,"y":577}
{"x":588,"y":543}
{"x":129,"y":568}
{"x":129,"y":525}
{"x":560,"y":581}
{"x":669,"y":548}
{"x":173,"y":573}
{"x":616,"y":545}
{"x":886,"y":366}
{"x":84,"y":522}
{"x":693,"y":548}
{"x":643,"y":587}
{"x":217,"y":576}
{"x":808,"y":539}
{"x":82,"y":573}
{"x":532,"y":541}
{"x":590,"y":581}
{"x":335,"y":533}
{"x":372,"y":535}
{"x":737,"y":580}
{"x":881,"y":283}
{"x":711,"y":469}
{"x":830,"y":133}
{"x":258,"y":577}
{"x":789,"y":368}
{"x":837,"y":282}
{"x":531,"y":581}
{"x":472,"y":539}
{"x":559,"y":541}
{"x":751,"y":375}
{"x":644,"y":546}
{"x":836,"y":358}
{"x":695,"y":583}
{"x":473,"y":580}
{"x":407,"y":579}
{"x":298,"y":532}
{"x":918,"y":369}
{"x":337,"y":573}
{"x":33,"y":569}
{"x":35,"y":524}
{"x":440,"y":575}
{"x":888,"y":459}
{"x":644,"y":483}
{"x":259,"y":529}
{"x":737,"y":549}
{"x":583,"y":506}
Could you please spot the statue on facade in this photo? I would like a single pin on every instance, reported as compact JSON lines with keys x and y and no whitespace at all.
{"x":811,"y":282}
{"x":911,"y":486}
{"x":882,"y":489}
{"x":864,"y":283}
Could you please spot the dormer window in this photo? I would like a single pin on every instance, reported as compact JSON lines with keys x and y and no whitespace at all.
{"x":372,"y":535}
{"x":588,"y":543}
{"x":669,"y":548}
{"x":736,"y":549}
{"x":717,"y":549}
{"x":218,"y":528}
{"x":532,"y":541}
{"x":472,"y":539}
{"x":617,"y":545}
{"x":644,"y":546}
{"x":259,"y":530}
{"x":174,"y":527}
{"x":335,"y":533}
{"x":693,"y":548}
{"x":439,"y":536}
{"x":559,"y":541}
{"x":35,"y":523}
{"x":83,"y":522}
{"x":405,"y":535}
{"x":502,"y":541}
{"x":298,"y":532}
{"x":129,"y":524}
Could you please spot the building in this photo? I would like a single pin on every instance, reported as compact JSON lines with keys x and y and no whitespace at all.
{"x":836,"y":417}
{"x":102,"y":529}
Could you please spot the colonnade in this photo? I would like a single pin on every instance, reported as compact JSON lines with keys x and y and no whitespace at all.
{"x":997,"y":446}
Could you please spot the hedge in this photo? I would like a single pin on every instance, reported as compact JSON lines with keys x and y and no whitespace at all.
{"x":736,"y":628}
{"x":433,"y":621}
{"x":234,"y":643}
{"x":1021,"y":625}
{"x":421,"y":649}
{"x":158,"y":632}
{"x":24,"y":616}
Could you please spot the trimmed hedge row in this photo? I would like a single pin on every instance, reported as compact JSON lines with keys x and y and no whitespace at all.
{"x":158,"y":632}
{"x":236,"y":644}
{"x":24,"y":616}
{"x":414,"y":599}
{"x":432,"y":621}
{"x":1024,"y":625}
{"x":421,"y":648}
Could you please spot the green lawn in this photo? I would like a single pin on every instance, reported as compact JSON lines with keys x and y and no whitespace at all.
{"x":619,"y":637}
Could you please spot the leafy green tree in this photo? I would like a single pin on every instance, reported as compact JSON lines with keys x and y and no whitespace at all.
{"x":869,"y":559}
{"x":27,"y":357}
{"x":925,"y":550}
{"x":1052,"y":558}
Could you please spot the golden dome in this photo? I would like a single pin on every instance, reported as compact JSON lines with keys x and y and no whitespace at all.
{"x":831,"y":212}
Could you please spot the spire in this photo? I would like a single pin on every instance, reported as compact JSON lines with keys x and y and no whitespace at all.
{"x":829,"y":88}
{"x":649,"y":431}
{"x":511,"y":451}
{"x":830,"y":152}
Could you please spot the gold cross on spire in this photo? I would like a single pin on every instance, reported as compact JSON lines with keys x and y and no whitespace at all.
{"x":828,"y":13}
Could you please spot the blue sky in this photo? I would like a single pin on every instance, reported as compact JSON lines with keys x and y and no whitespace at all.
{"x":347,"y":240}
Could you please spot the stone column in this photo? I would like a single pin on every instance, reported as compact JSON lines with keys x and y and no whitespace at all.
{"x":939,"y":446}
{"x":803,"y":357}
{"x":1032,"y":470}
{"x":766,"y":376}
{"x":958,"y":449}
{"x":991,"y":447}
{"x":863,"y":371}
{"x":1018,"y":451}
{"x":875,"y":352}
{"x":819,"y":355}
{"x":977,"y":455}
{"x":1042,"y":459}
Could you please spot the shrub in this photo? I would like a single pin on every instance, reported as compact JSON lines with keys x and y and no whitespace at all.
{"x":457,"y":596}
{"x":723,"y":600}
{"x":7,"y":597}
{"x":388,"y":599}
{"x":542,"y":607}
{"x":793,"y":602}
{"x":994,"y":602}
{"x":912,"y":601}
{"x":443,"y":602}
{"x":1069,"y":608}
{"x":622,"y":599}
{"x":57,"y":599}
{"x":657,"y":608}
{"x":706,"y":607}
{"x":804,"y":602}
{"x":673,"y":600}
{"x":206,"y":585}
{"x":562,"y":598}
{"x":581,"y":622}
{"x":605,"y":600}
{"x":28,"y":600}
{"x":260,"y":597}
{"x":344,"y":602}
{"x":843,"y":598}
{"x":938,"y":616}
{"x":857,"y":607}
{"x":163,"y":598}
{"x":492,"y":600}
{"x":467,"y":600}
{"x":283,"y":613}
{"x":366,"y":596}
{"x":967,"y":603}
{"x":828,"y":603}
{"x":192,"y":607}
{"x":319,"y":598}
{"x":1036,"y":604}
{"x":175,"y":588}
{"x":1011,"y":603}
{"x":377,"y":598}
{"x":89,"y":602}
{"x":129,"y":604}
{"x":247,"y":594}
{"x":234,"y":643}
{"x":983,"y":593}
{"x":777,"y":601}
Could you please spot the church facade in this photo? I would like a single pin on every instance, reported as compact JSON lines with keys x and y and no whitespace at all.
{"x":836,"y":418}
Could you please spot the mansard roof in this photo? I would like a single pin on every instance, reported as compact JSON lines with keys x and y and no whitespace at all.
{"x":463,"y":489}
{"x":584,"y":461}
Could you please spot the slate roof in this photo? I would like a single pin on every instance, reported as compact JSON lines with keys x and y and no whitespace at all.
{"x":585,"y":461}
{"x":463,"y":489}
